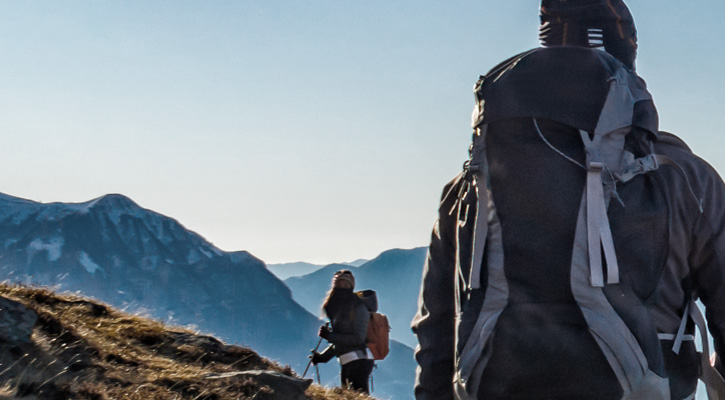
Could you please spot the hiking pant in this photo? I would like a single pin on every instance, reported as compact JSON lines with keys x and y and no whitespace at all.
{"x":356,"y":375}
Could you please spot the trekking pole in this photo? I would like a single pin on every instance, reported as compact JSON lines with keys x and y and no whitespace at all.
{"x":313,"y":352}
{"x":310,"y":363}
{"x":372,"y":387}
{"x":317,"y":369}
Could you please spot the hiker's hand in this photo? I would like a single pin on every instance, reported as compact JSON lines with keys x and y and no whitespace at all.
{"x":324,"y":332}
{"x":315,"y":358}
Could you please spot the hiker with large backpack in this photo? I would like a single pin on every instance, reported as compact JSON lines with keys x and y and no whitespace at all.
{"x":568,"y":254}
{"x":349,"y":318}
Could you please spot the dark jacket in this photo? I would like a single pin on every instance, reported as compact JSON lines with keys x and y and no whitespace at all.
{"x":349,"y":319}
{"x":695,"y":266}
{"x":674,"y":252}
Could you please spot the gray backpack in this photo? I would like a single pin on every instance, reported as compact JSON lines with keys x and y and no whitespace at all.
{"x":559,"y":177}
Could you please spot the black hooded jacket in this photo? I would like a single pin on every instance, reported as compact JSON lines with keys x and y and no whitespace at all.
{"x":349,"y":319}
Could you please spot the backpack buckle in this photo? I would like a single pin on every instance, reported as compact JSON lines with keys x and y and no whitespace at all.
{"x":596,"y":166}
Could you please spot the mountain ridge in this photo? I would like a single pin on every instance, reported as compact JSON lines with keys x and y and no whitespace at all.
{"x":300,"y":268}
{"x":111,"y":249}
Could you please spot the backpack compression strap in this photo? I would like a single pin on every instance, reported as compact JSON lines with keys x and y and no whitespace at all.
{"x":488,"y":235}
{"x":599,"y":233}
{"x":714,"y":382}
{"x":652,"y":162}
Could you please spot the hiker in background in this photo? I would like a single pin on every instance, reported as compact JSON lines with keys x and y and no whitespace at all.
{"x":349,"y":318}
{"x":568,"y":254}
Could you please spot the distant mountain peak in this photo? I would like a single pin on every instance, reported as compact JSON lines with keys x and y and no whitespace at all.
{"x":20,"y":209}
{"x":120,"y":217}
{"x":113,"y":205}
{"x":114,"y":200}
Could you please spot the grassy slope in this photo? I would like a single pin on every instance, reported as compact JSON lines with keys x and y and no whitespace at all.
{"x":82,"y":349}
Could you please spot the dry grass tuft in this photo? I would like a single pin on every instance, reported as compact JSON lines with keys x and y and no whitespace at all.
{"x":319,"y":393}
{"x":84,"y":350}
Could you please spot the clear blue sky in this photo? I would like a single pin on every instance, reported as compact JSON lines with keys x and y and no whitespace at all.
{"x":316,"y":130}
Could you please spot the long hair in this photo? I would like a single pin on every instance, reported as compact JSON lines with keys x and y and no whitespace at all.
{"x":350,"y":278}
{"x":325,"y":302}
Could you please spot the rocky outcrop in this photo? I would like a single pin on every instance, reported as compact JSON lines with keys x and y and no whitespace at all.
{"x":275,"y":385}
{"x":62,"y":347}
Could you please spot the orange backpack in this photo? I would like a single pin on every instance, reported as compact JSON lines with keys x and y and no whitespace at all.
{"x":378,"y":336}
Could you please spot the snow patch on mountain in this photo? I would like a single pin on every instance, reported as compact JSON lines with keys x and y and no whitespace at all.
{"x":193,"y":257}
{"x":88,"y":263}
{"x":208,"y":254}
{"x":54,"y":247}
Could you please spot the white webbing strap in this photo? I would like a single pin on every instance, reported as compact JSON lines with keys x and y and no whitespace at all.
{"x":714,"y":382}
{"x":599,"y":233}
{"x":605,"y":234}
{"x":681,"y":330}
{"x":594,"y":217}
{"x":680,"y":336}
{"x":480,"y":232}
{"x":672,"y":336}
{"x":480,"y":229}
{"x":638,"y":166}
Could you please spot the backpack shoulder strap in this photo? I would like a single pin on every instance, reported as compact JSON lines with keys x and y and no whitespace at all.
{"x":606,"y":156}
